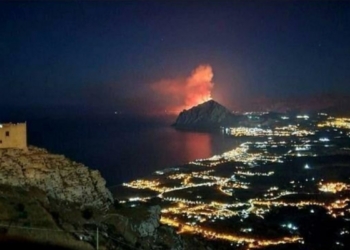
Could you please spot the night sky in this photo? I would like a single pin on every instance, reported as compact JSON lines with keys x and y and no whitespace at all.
{"x":108,"y":55}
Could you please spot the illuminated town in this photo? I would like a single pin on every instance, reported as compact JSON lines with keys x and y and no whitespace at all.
{"x":287,"y":175}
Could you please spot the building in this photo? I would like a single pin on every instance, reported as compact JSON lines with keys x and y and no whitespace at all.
{"x":13,"y":135}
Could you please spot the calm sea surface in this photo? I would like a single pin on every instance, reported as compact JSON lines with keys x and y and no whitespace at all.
{"x":123,"y":148}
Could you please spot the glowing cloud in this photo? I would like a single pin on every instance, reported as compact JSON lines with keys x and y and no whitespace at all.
{"x":179,"y":94}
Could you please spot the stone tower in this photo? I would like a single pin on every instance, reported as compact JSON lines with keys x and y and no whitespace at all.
{"x":13,"y":135}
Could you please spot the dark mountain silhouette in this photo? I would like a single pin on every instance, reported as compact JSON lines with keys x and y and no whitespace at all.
{"x":208,"y":116}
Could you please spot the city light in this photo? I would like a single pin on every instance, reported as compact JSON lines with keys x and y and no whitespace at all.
{"x":191,"y":210}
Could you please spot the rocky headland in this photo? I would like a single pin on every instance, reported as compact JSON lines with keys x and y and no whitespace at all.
{"x":56,"y":175}
{"x":208,"y":116}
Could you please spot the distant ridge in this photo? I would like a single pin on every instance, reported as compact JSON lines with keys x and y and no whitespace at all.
{"x":208,"y":116}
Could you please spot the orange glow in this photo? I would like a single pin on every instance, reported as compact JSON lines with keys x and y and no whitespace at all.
{"x":198,"y":86}
{"x":185,"y":93}
{"x":197,"y":145}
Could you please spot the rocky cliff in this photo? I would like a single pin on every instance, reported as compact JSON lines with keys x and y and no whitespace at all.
{"x":60,"y":178}
{"x":206,"y":116}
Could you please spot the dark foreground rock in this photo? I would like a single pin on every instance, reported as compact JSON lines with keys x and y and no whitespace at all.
{"x":9,"y":243}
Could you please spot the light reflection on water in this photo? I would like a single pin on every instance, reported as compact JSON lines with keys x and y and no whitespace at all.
{"x":197,"y":145}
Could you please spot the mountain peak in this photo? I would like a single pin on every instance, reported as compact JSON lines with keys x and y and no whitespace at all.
{"x":210,"y":103}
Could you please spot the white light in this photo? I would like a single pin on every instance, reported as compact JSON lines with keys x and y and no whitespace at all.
{"x":303,"y":117}
{"x":306,"y":166}
{"x":323,"y":139}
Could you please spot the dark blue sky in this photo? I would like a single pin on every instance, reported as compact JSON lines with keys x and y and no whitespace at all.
{"x":106,"y":54}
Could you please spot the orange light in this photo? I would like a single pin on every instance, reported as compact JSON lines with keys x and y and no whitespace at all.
{"x":180,"y":94}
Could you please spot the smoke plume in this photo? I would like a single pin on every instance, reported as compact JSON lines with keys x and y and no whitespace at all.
{"x":183,"y":93}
